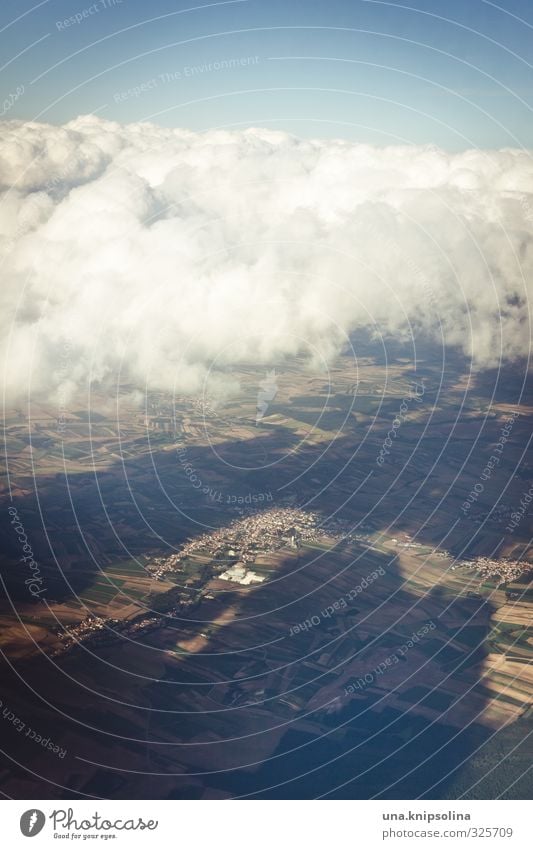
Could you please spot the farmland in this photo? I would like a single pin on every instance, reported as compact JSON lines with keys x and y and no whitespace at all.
{"x":370,"y":656}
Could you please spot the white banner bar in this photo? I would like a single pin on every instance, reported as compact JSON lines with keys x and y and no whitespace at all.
{"x":264,"y":825}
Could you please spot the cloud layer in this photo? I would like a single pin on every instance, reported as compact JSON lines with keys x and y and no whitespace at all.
{"x":155,"y":254}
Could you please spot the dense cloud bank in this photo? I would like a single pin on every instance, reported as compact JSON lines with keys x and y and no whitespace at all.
{"x":157,"y":253}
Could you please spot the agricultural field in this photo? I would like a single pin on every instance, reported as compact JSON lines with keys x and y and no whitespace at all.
{"x":373,"y":636}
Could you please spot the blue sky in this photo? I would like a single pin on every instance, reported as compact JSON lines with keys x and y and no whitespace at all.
{"x":455,"y":74}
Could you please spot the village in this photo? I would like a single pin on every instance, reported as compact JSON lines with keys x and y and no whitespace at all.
{"x":245,"y":538}
{"x":504,"y":570}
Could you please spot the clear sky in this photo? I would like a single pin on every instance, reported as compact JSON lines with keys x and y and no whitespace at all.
{"x":456,"y":74}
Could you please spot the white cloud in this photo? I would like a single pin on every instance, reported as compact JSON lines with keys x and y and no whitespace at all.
{"x":160,"y":252}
